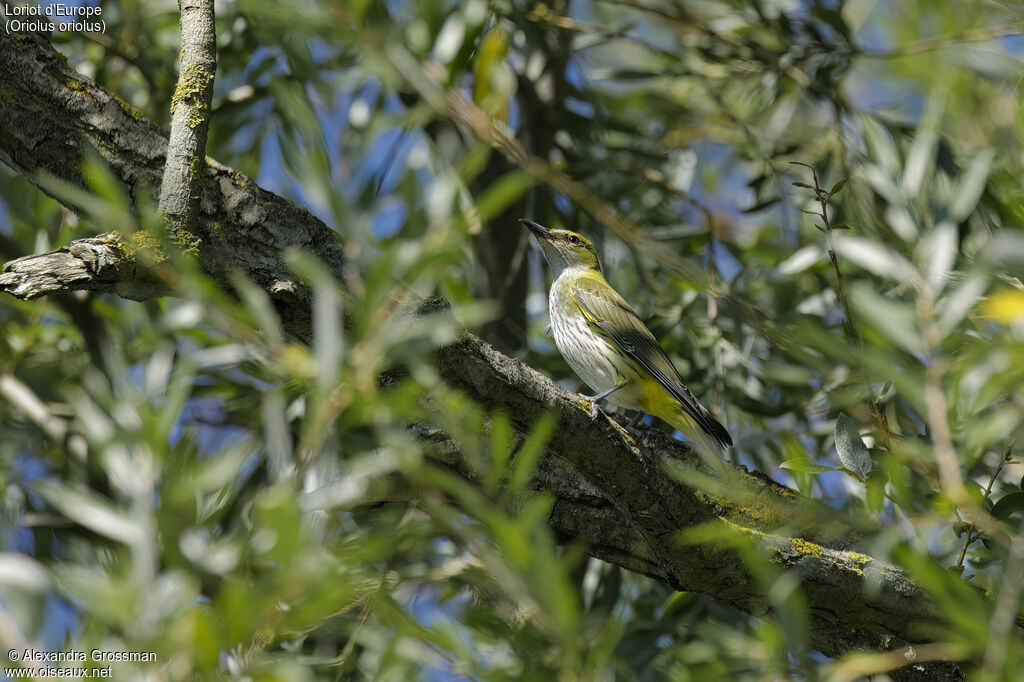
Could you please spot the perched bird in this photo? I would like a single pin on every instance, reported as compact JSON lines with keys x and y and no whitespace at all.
{"x":608,"y":345}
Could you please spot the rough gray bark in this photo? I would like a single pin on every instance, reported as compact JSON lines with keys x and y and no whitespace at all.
{"x":613,"y":492}
{"x":103,"y":263}
{"x":180,"y":189}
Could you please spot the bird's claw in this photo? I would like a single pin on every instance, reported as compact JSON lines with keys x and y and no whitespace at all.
{"x":595,"y":407}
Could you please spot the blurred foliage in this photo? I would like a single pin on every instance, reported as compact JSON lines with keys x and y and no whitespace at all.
{"x":252,"y":508}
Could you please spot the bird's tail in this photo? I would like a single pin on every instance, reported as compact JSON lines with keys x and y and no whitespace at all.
{"x":707,"y":443}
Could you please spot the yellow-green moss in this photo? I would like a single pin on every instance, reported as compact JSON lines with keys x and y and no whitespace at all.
{"x":807,"y":547}
{"x":142,"y":243}
{"x":193,"y":82}
{"x":743,"y":529}
{"x":128,"y":108}
{"x":858,"y":559}
{"x":116,"y":241}
{"x":145,"y":243}
{"x":78,"y":86}
{"x":188,"y":242}
{"x":747,"y":507}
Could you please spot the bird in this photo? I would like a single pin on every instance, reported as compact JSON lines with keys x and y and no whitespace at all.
{"x":608,"y":346}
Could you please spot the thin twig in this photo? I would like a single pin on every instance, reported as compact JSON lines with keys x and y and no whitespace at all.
{"x":975,"y":35}
{"x":968,"y":539}
{"x":936,"y":406}
{"x":822,"y":196}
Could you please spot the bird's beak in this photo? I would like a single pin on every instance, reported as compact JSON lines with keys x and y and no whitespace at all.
{"x":538,"y":230}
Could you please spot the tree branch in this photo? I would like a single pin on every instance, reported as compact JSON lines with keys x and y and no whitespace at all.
{"x":190,"y":116}
{"x":55,"y":118}
{"x":855,"y":602}
{"x":641,"y":500}
{"x":102,"y":263}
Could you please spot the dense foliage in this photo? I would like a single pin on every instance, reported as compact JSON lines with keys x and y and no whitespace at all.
{"x":817,"y":207}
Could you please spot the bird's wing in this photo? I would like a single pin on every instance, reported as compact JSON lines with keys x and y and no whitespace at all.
{"x":610,"y":313}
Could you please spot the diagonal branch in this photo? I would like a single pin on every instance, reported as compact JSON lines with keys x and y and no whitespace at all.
{"x":614,"y":490}
{"x":855,"y":601}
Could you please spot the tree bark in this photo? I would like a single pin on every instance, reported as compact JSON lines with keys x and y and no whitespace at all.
{"x":641,"y":500}
{"x":180,"y":187}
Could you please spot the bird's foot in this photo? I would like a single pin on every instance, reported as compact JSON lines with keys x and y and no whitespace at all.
{"x":597,"y":399}
{"x":595,"y":410}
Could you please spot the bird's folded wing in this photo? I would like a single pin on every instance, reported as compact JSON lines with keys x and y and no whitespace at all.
{"x":610,"y":313}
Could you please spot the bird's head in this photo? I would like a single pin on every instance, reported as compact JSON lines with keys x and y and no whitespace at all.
{"x":564,"y":249}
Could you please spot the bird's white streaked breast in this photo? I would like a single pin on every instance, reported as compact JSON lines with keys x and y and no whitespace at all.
{"x":589,"y":355}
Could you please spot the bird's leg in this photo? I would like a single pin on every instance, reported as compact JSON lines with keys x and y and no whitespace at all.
{"x":636,"y":419}
{"x":595,"y":400}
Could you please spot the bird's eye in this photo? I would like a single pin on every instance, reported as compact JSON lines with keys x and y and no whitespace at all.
{"x":573,"y":239}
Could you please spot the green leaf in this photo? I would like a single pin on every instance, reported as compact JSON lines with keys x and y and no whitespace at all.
{"x":875,"y":496}
{"x":803,"y":184}
{"x":936,"y":254}
{"x":503,"y":193}
{"x":838,"y":187}
{"x":530,"y":451}
{"x":881,"y":145}
{"x":1010,"y":503}
{"x":502,"y":441}
{"x":953,"y":308}
{"x":802,"y":259}
{"x":91,"y":510}
{"x":876,"y":258}
{"x":23,"y":573}
{"x":806,"y":466}
{"x":920,"y":163}
{"x":891,"y":318}
{"x":965,"y":195}
{"x":851,"y":449}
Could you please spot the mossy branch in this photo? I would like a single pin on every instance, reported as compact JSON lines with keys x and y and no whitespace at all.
{"x":190,"y":117}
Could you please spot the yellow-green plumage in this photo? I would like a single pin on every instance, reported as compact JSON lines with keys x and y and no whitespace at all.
{"x":608,"y":345}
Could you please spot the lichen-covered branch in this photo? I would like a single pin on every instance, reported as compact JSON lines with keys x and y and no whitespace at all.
{"x":102,"y":263}
{"x":54,"y":118}
{"x":641,"y":500}
{"x":855,"y":601}
{"x":181,"y":187}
